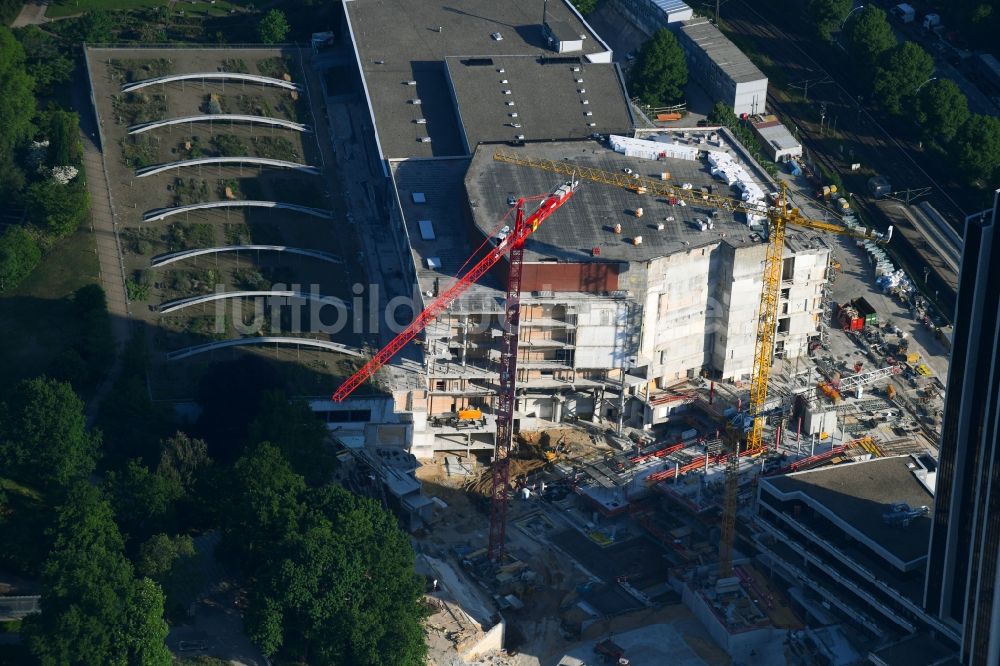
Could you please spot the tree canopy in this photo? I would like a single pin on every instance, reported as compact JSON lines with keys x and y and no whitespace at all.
{"x":273,"y":28}
{"x":977,"y":148}
{"x":43,"y":436}
{"x":19,"y":254}
{"x":827,"y":15}
{"x":942,"y":108}
{"x":94,"y":611}
{"x":333,"y":572}
{"x":295,"y":429}
{"x":660,"y":72}
{"x":869,"y":35}
{"x":903,"y":69}
{"x":585,"y":6}
{"x":17,"y":103}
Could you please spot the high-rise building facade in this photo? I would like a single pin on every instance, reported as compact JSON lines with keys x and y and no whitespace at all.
{"x":962,"y":574}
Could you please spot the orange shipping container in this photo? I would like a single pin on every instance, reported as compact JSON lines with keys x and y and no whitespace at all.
{"x":664,"y":117}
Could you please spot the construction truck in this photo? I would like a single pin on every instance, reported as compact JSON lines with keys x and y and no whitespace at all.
{"x":467,"y":418}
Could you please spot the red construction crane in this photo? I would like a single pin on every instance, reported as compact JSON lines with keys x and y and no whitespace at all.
{"x":514,"y":244}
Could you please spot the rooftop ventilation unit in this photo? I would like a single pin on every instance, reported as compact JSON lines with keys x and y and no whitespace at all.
{"x":416,"y":102}
{"x":506,"y":92}
{"x":515,"y":125}
{"x":509,"y":103}
{"x":503,"y":81}
{"x":591,"y":124}
{"x":514,"y":115}
{"x":586,"y":101}
{"x":582,"y":90}
{"x":411,"y":83}
{"x":421,"y":121}
{"x":424,"y":139}
{"x":576,"y":69}
{"x":520,"y":137}
{"x":579,"y":80}
{"x":588,"y":113}
{"x":500,"y":70}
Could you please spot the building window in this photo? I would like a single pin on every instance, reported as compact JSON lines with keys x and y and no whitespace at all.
{"x":439,"y":385}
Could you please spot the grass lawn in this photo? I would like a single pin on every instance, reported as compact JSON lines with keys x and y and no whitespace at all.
{"x":36,"y":319}
{"x":60,"y":8}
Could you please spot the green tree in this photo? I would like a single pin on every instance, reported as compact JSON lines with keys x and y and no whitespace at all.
{"x":19,"y":255}
{"x":62,"y":129}
{"x":827,"y":15}
{"x":48,"y":63}
{"x":334,"y":578}
{"x":294,"y":428}
{"x":263,"y":504}
{"x":977,"y":149}
{"x":182,"y":458}
{"x":869,"y":36}
{"x":273,"y":28}
{"x":660,"y":71}
{"x":59,"y":208}
{"x":585,"y":6}
{"x":142,"y":500}
{"x":172,"y":563}
{"x":722,"y":114}
{"x":94,"y":28}
{"x":942,"y":109}
{"x":17,"y":103}
{"x":94,"y":610}
{"x":43,"y":436}
{"x":902,"y":71}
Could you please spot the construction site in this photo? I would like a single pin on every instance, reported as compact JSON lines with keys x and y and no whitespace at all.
{"x":621,"y":335}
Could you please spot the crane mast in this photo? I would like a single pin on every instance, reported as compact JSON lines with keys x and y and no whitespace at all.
{"x":506,"y":398}
{"x":512,"y":243}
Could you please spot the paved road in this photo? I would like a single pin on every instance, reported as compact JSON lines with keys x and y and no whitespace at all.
{"x":33,"y":13}
{"x":103,"y":226}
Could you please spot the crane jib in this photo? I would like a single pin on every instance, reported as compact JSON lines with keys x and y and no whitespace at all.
{"x":550,"y":204}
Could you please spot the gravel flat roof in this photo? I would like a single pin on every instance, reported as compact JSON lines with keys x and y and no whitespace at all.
{"x":408,"y":40}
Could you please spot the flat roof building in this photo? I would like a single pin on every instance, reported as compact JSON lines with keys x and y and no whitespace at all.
{"x":652,"y":15}
{"x":777,"y":142}
{"x":535,"y":98}
{"x":854,"y":538}
{"x":401,"y":47}
{"x":718,"y":65}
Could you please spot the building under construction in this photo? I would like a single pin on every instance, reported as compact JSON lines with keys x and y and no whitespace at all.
{"x":623,"y":294}
{"x":620,"y":290}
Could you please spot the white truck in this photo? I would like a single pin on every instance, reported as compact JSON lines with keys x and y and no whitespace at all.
{"x":904,"y":12}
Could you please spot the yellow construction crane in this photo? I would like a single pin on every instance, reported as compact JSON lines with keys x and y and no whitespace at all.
{"x":779,"y":215}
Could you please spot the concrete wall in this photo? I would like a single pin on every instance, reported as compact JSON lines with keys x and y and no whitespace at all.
{"x":750,"y":97}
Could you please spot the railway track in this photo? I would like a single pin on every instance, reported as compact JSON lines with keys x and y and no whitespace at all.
{"x":872,"y":146}
{"x":876,"y":147}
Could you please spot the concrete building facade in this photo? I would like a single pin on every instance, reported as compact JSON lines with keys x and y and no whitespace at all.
{"x":718,"y":65}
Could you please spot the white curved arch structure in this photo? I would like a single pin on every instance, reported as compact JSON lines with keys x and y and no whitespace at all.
{"x":179,"y":303}
{"x":161,"y":213}
{"x":220,"y":117}
{"x":164,"y":259}
{"x":238,"y":342}
{"x":214,"y":76}
{"x":259,"y":161}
